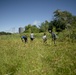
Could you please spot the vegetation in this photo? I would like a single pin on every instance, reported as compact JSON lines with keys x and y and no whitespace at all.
{"x":31,"y":28}
{"x":4,"y":33}
{"x":62,"y":20}
{"x":36,"y":57}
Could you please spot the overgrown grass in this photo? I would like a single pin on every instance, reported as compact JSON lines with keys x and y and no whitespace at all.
{"x":36,"y":58}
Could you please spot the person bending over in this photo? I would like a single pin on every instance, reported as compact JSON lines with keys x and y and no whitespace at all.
{"x":44,"y":38}
{"x":24,"y":38}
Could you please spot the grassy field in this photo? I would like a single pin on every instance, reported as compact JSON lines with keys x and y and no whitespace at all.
{"x":36,"y":58}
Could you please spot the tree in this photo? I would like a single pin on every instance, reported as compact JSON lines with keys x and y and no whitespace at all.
{"x":34,"y":29}
{"x":61,"y":19}
{"x":59,"y":25}
{"x":50,"y":26}
{"x":28,"y":28}
{"x":5,"y":33}
{"x":31,"y":28}
{"x":44,"y":26}
{"x":65,"y":20}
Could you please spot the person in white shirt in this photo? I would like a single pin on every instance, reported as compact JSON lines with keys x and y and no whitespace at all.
{"x":32,"y":36}
{"x":44,"y":37}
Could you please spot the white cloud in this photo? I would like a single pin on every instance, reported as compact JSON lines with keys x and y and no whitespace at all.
{"x":36,"y":22}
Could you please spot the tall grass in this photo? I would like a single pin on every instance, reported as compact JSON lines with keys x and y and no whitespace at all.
{"x":36,"y":57}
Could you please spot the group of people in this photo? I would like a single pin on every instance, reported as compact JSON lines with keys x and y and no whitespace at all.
{"x":24,"y":38}
{"x":54,"y":37}
{"x":44,"y":37}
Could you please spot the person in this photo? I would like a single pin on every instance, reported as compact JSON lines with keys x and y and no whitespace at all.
{"x":24,"y":38}
{"x":44,"y":37}
{"x":32,"y":36}
{"x":54,"y":37}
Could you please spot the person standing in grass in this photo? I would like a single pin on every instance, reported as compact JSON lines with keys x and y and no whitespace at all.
{"x":24,"y":38}
{"x":44,"y":38}
{"x":32,"y":36}
{"x":54,"y":37}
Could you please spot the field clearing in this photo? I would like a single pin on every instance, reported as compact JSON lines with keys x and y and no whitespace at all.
{"x":36,"y":58}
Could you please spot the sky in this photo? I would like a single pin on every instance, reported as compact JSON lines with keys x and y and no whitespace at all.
{"x":20,"y":13}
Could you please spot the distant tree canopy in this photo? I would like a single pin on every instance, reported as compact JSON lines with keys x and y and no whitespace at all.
{"x":31,"y":28}
{"x":44,"y":26}
{"x":61,"y":20}
{"x":5,"y":33}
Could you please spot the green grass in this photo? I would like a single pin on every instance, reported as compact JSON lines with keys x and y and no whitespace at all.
{"x":36,"y":58}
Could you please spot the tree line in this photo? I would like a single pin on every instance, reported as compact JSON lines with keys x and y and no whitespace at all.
{"x":61,"y":20}
{"x":5,"y":33}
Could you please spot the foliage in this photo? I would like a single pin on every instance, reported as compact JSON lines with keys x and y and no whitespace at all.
{"x":62,"y":19}
{"x":44,"y":26}
{"x":59,"y":26}
{"x":36,"y":58}
{"x":50,"y":26}
{"x":5,"y":33}
{"x":31,"y":28}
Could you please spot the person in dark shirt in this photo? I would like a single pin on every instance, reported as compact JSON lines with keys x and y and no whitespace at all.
{"x":24,"y":38}
{"x":54,"y":37}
